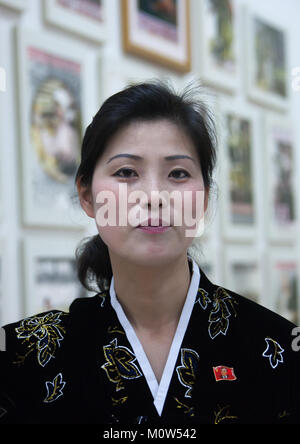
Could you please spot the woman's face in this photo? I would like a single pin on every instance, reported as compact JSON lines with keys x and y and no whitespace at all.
{"x":144,"y":157}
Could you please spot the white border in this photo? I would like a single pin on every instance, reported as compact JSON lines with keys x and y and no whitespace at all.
{"x":15,"y":4}
{"x":231,"y":231}
{"x":42,"y":246}
{"x":210,"y":74}
{"x":75,"y":22}
{"x":255,"y":94}
{"x":32,"y":215}
{"x":275,"y":232}
{"x":282,"y":254}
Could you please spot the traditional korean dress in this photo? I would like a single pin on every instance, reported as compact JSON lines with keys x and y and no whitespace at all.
{"x":231,"y":361}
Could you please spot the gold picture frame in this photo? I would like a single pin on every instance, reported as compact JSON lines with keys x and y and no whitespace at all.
{"x":162,"y":37}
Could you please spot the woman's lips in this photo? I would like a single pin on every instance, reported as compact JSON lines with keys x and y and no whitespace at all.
{"x":150,"y":229}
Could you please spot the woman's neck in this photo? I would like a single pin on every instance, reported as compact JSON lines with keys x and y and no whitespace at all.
{"x":151,"y":297}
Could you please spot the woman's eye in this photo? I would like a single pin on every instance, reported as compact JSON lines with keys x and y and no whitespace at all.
{"x":124,"y":172}
{"x":177,"y":173}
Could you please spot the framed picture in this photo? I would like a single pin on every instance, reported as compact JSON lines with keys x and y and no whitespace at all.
{"x":266,"y":67}
{"x":239,"y":164}
{"x":243,"y":271}
{"x":284,"y":282}
{"x":15,"y":4}
{"x":159,"y":31}
{"x":216,"y":49}
{"x":280,"y":179}
{"x":53,"y":79}
{"x":50,"y":274}
{"x":86,"y":18}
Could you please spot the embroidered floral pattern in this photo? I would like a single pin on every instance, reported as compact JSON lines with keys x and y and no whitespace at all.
{"x":42,"y":334}
{"x":119,"y":364}
{"x":202,"y":298}
{"x":273,"y":352}
{"x":222,"y":307}
{"x":54,"y":388}
{"x":187,"y":370}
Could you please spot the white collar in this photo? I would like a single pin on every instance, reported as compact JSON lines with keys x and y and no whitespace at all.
{"x":159,"y":391}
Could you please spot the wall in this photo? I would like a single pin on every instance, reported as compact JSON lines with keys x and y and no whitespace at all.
{"x":109,"y":67}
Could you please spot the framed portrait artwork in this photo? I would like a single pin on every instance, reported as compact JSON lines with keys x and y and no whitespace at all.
{"x":283,"y":274}
{"x":15,"y":4}
{"x":243,"y":271}
{"x":159,"y":31}
{"x":216,"y":49}
{"x":266,"y":64}
{"x":86,"y":18}
{"x":280,"y":179}
{"x":50,"y":274}
{"x":239,"y":166}
{"x":53,"y":107}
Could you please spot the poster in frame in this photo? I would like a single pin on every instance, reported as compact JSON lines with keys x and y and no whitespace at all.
{"x":266,"y":64}
{"x":15,"y":4}
{"x":244,"y":271}
{"x":49,"y":271}
{"x":216,"y":51}
{"x":86,"y":18}
{"x":280,"y":178}
{"x":283,"y":276}
{"x":158,"y":31}
{"x":53,"y":92}
{"x":239,"y":166}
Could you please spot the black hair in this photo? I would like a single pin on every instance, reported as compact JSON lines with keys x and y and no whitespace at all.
{"x":145,"y":101}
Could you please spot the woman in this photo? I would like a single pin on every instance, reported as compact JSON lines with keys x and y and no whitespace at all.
{"x":159,"y":343}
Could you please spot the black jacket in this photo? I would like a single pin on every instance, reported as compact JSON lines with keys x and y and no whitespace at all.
{"x":236,"y":365}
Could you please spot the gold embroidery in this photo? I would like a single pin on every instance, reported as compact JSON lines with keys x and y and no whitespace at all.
{"x":41,"y":333}
{"x":120,"y":364}
{"x":222,"y":414}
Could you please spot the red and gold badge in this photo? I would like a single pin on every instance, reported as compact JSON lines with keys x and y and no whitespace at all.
{"x":223,"y":373}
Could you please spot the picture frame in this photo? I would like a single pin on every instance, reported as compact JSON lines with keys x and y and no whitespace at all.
{"x":243,"y":272}
{"x":217,"y":56}
{"x":280,"y":179}
{"x":82,"y":17}
{"x":49,"y":273}
{"x":266,"y":68}
{"x":238,"y":171}
{"x":284,"y":280}
{"x":157,"y":34}
{"x":54,"y":95}
{"x":15,"y":4}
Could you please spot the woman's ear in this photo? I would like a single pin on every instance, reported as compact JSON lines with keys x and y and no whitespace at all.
{"x":85,"y":198}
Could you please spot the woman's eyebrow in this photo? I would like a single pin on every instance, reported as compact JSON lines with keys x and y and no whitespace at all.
{"x":135,"y":157}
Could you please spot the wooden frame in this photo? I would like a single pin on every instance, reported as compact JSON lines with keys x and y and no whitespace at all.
{"x":138,"y":40}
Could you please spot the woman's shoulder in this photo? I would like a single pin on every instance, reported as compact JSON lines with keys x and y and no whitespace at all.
{"x":41,"y":336}
{"x":232,"y":314}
